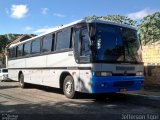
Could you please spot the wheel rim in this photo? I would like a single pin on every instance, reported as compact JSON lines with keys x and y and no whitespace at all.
{"x":68,"y":87}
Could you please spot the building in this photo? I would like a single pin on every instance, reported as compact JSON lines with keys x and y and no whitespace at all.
{"x":151,"y":59}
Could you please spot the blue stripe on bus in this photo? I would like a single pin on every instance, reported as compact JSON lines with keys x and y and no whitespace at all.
{"x":109,"y":84}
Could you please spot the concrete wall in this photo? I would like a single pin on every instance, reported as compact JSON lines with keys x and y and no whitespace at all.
{"x":151,"y":59}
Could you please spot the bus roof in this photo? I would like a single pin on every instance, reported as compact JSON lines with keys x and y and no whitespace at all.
{"x":73,"y":23}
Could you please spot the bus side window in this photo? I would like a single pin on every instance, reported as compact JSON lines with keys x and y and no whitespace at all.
{"x":19,"y":50}
{"x":81,"y":45}
{"x":76,"y":38}
{"x":36,"y":46}
{"x":47,"y":43}
{"x":53,"y":42}
{"x":12,"y":52}
{"x":71,"y":40}
{"x":27,"y":48}
{"x":63,"y":39}
{"x":85,"y":49}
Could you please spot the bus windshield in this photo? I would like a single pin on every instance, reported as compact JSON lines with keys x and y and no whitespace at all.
{"x":116,"y":44}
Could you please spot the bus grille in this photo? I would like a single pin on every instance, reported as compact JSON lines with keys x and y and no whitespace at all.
{"x":123,"y":83}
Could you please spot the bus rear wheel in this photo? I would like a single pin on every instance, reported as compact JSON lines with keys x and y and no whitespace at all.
{"x":22,"y":84}
{"x":68,"y":87}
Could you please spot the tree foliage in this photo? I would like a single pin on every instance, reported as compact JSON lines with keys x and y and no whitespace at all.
{"x":3,"y":43}
{"x":5,"y":39}
{"x":115,"y":18}
{"x":149,"y":28}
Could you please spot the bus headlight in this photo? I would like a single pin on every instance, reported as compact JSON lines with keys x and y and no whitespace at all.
{"x":103,"y":74}
{"x":140,"y":73}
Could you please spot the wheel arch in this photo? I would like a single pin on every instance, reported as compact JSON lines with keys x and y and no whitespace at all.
{"x":20,"y":72}
{"x":62,"y":77}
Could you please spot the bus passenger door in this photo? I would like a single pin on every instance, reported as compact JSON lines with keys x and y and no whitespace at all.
{"x":82,"y":56}
{"x":76,"y":40}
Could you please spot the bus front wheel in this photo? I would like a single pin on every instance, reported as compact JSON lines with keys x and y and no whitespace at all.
{"x":21,"y":81}
{"x":68,"y":87}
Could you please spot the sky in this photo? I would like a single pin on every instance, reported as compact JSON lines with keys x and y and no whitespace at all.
{"x":40,"y":16}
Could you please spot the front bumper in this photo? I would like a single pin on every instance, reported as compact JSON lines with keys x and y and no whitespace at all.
{"x":109,"y":84}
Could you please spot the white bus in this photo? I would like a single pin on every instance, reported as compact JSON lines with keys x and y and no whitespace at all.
{"x":86,"y":56}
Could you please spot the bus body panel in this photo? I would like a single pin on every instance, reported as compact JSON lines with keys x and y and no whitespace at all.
{"x":15,"y":64}
{"x":45,"y":70}
{"x":35,"y":62}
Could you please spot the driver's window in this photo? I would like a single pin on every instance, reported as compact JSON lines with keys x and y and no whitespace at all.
{"x":85,"y":49}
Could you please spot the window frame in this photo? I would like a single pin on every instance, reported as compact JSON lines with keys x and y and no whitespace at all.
{"x":78,"y":51}
{"x":42,"y":41}
{"x":21,"y":50}
{"x":29,"y":48}
{"x":70,"y":39}
{"x":13,"y":53}
{"x":40,"y":52}
{"x":82,"y":41}
{"x":35,"y":40}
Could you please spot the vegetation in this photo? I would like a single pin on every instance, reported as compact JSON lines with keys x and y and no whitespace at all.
{"x":4,"y":40}
{"x":149,"y":28}
{"x":115,"y":18}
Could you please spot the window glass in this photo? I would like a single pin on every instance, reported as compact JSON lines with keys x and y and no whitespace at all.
{"x":76,"y":43}
{"x":27,"y":48}
{"x":47,"y":43}
{"x":53,"y":41}
{"x":63,"y":39}
{"x":35,"y":46}
{"x":76,"y":39}
{"x":85,"y":50}
{"x":109,"y":43}
{"x":12,"y":52}
{"x":19,"y":50}
{"x":4,"y":70}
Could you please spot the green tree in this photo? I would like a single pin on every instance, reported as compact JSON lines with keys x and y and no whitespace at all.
{"x":149,"y":28}
{"x":3,"y":43}
{"x":115,"y":18}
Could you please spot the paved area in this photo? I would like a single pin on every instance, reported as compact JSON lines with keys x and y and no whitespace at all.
{"x":147,"y":92}
{"x":37,"y":102}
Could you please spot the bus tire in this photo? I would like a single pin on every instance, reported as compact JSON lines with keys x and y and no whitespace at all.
{"x":22,"y":84}
{"x":68,"y":87}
